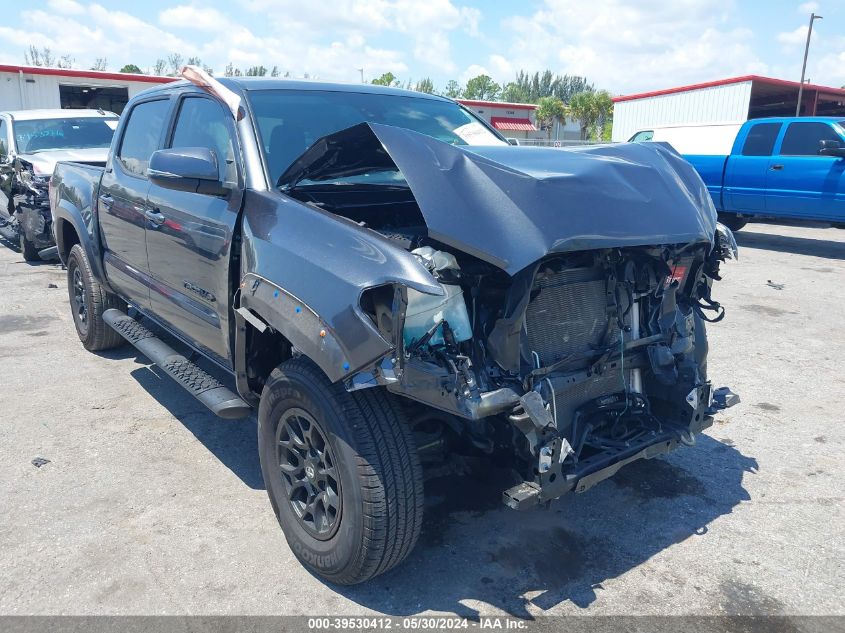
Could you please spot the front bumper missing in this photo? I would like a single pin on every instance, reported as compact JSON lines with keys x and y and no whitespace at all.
{"x":589,"y":472}
{"x":564,"y":476}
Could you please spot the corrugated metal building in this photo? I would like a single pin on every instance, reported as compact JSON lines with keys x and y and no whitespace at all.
{"x":29,"y":87}
{"x":732,"y":100}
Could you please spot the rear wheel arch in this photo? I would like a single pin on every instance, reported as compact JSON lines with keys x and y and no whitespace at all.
{"x":66,"y":237}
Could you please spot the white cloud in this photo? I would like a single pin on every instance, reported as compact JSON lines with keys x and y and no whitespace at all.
{"x":794,"y":37}
{"x":628,"y":47}
{"x":428,"y":23}
{"x":808,"y":7}
{"x":473,"y":70}
{"x":68,"y":7}
{"x":832,"y":67}
{"x":189,"y":17}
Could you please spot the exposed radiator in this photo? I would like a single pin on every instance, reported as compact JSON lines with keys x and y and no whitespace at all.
{"x":569,"y":316}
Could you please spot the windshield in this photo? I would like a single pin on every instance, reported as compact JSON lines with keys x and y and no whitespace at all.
{"x":290,"y":122}
{"x":68,"y":133}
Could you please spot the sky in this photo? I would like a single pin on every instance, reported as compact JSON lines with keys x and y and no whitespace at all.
{"x":624,"y":46}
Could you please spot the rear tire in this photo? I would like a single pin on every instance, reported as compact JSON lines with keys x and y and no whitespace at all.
{"x":30,"y":253}
{"x":88,"y":300}
{"x":732,"y":221}
{"x":356,"y":445}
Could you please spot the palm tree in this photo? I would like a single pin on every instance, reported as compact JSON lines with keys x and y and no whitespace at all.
{"x":582,"y":108}
{"x":592,"y":110}
{"x":549,"y":110}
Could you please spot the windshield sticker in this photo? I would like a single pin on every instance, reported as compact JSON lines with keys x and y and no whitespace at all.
{"x":476,"y":134}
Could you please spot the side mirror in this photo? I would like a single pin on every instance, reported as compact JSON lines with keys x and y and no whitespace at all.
{"x":191,"y":169}
{"x":513,"y":141}
{"x":831,"y":148}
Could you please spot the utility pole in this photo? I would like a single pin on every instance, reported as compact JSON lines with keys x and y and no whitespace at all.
{"x":813,"y":18}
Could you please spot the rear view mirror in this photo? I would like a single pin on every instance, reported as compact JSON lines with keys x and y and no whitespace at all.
{"x":831,"y":148}
{"x":513,"y":141}
{"x":193,"y":169}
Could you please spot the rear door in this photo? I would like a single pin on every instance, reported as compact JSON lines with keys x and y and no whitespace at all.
{"x":746,"y":172}
{"x":122,"y":198}
{"x":803,"y":183}
{"x":190,"y":245}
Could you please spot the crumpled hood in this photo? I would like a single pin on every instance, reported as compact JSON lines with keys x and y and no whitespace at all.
{"x":46,"y":161}
{"x":512,"y":206}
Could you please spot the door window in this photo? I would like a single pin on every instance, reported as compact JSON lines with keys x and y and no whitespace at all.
{"x":802,"y":139}
{"x":641,"y":137}
{"x":761,"y":139}
{"x":142,"y":134}
{"x":4,"y":145}
{"x":203,"y":123}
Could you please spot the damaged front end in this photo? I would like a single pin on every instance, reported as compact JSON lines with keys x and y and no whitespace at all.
{"x":574,"y":341}
{"x":581,"y":365}
{"x":32,"y":204}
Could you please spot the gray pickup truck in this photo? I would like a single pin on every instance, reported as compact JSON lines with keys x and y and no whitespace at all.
{"x":391,"y":285}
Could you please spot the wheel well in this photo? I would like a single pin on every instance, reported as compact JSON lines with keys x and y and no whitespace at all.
{"x":66,"y":237}
{"x":263,"y":353}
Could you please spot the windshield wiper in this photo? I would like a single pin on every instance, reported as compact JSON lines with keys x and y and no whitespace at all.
{"x":359,"y":185}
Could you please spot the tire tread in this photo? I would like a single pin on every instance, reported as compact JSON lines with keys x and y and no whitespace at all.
{"x":102,"y":337}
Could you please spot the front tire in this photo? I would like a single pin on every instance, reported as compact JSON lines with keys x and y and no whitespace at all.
{"x":88,"y":300}
{"x":30,"y":253}
{"x":341,"y":471}
{"x":732,"y":221}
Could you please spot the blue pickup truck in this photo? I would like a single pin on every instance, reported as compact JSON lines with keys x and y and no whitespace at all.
{"x":779,"y":168}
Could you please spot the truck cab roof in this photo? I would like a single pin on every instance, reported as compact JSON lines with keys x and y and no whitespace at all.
{"x":792,"y":119}
{"x":241,"y":85}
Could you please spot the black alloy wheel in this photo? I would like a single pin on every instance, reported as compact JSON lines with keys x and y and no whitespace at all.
{"x":308,"y":472}
{"x":79,"y":301}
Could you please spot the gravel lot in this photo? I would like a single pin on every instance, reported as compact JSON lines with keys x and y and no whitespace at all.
{"x":150,"y":505}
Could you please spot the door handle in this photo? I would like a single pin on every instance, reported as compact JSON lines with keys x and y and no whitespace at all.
{"x":154,"y":216}
{"x":776,"y":167}
{"x":106,"y":200}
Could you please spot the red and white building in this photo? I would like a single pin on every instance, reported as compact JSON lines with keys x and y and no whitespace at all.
{"x":733,"y":100}
{"x":517,"y":120}
{"x":30,"y":87}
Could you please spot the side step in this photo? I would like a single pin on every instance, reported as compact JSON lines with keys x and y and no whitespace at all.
{"x":205,"y":388}
{"x":49,"y":253}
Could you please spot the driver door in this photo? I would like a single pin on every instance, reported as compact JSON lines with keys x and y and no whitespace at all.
{"x":803,"y":183}
{"x":189,"y":241}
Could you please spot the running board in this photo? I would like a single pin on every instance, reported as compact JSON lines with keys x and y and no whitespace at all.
{"x":49,"y":253}
{"x":205,"y":388}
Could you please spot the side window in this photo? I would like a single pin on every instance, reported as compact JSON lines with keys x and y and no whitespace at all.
{"x":203,"y":123}
{"x":142,"y":134}
{"x":802,"y":139}
{"x":4,"y":145}
{"x":761,"y":139}
{"x":641,"y":137}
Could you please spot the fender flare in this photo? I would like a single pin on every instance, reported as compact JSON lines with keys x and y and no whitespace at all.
{"x":64,"y":212}
{"x":300,"y":325}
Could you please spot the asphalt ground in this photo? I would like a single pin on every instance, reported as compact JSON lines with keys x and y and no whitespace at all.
{"x":150,"y":505}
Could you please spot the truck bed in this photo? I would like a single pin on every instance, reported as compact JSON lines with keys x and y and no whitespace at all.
{"x":73,"y":188}
{"x":711,"y":168}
